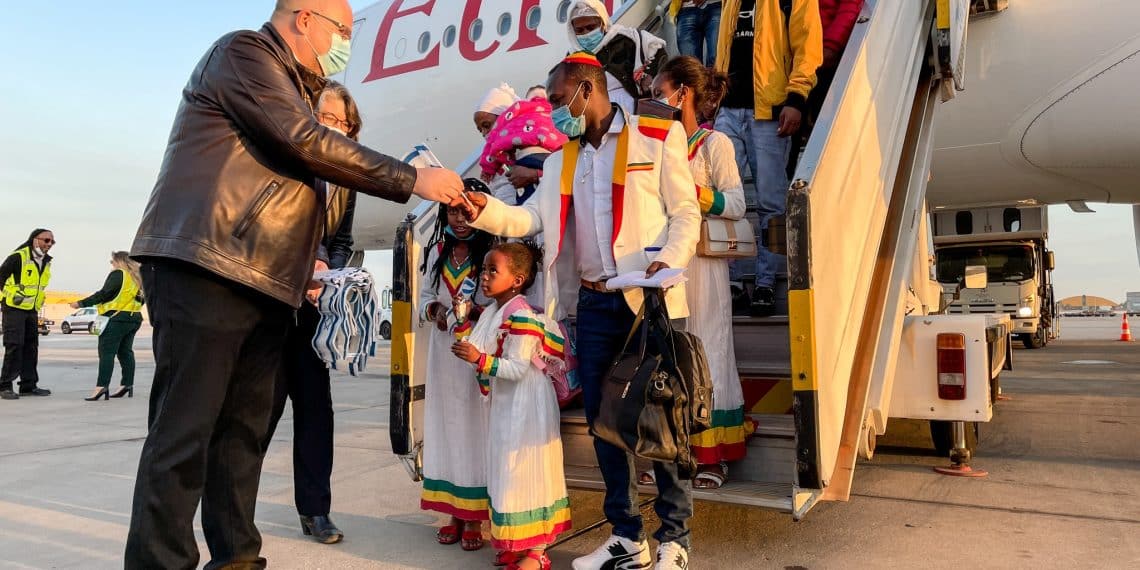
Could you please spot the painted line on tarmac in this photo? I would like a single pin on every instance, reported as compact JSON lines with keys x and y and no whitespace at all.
{"x":1011,"y":510}
{"x":76,"y":446}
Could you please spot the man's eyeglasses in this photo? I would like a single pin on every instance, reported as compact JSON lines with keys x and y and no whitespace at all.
{"x":48,"y":241}
{"x":344,"y":31}
{"x":329,"y":118}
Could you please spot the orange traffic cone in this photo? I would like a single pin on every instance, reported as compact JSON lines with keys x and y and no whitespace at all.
{"x":1125,"y":334}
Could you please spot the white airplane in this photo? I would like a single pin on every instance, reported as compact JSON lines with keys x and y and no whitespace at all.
{"x":1048,"y":116}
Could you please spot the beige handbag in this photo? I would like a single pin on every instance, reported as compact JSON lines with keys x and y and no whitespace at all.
{"x":730,"y":239}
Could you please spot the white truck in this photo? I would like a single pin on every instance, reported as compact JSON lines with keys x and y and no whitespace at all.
{"x":1010,"y":242}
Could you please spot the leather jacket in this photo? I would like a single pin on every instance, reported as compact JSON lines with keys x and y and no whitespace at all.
{"x":238,"y":193}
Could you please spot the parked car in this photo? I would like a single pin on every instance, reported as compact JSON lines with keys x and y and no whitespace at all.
{"x":45,"y":326}
{"x":386,"y":324}
{"x":83,"y":319}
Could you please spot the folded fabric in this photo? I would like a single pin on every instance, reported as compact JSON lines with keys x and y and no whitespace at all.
{"x":349,"y":309}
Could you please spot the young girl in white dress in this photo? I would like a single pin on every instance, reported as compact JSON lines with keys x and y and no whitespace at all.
{"x":455,"y":415}
{"x":688,"y":85}
{"x":516,"y":351}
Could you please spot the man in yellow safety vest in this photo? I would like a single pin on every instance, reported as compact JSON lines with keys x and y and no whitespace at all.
{"x":25,"y":275}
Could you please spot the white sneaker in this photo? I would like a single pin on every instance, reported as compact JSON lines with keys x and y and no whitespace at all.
{"x":617,"y":553}
{"x":672,"y":556}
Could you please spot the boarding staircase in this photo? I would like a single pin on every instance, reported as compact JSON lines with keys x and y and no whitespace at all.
{"x":816,"y":380}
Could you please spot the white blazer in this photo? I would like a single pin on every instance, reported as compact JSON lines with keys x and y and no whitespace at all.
{"x":659,"y":211}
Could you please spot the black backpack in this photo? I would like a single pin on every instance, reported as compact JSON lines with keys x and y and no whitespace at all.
{"x":655,"y":399}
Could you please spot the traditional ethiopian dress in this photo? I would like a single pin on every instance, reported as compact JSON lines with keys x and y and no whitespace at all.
{"x":526,"y":484}
{"x":721,"y":194}
{"x":455,"y":414}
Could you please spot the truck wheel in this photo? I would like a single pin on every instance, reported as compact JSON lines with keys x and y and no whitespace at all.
{"x":1037,"y":340}
{"x":942,"y":435}
{"x":65,"y":328}
{"x":386,"y":330}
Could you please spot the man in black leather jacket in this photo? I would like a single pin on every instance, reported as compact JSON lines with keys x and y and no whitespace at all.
{"x":228,"y":243}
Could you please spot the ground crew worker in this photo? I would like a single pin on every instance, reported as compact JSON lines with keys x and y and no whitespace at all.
{"x":121,"y":301}
{"x":25,"y":275}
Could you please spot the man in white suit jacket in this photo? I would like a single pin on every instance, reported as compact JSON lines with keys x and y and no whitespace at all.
{"x":617,"y":199}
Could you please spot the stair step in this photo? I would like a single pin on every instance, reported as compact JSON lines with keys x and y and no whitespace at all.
{"x":777,"y":496}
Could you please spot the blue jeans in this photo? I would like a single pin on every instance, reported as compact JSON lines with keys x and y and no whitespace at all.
{"x":697,"y":28}
{"x":766,"y":156}
{"x":604,"y":320}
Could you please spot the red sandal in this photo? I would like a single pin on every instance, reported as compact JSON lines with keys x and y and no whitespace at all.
{"x":506,"y":557}
{"x":541,"y":557}
{"x":447,"y":535}
{"x":472,"y":540}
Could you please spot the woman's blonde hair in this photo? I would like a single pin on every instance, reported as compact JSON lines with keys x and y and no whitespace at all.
{"x":122,"y":260}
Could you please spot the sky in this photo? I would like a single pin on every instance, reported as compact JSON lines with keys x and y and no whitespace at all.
{"x":87,"y":120}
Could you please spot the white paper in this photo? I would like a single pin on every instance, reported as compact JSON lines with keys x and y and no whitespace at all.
{"x":663,"y":279}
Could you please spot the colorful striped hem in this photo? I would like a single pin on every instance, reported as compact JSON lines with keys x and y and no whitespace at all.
{"x":725,"y":441}
{"x":639,"y":167}
{"x":530,"y":529}
{"x":465,"y":503}
{"x":711,"y":201}
{"x":654,"y":127}
{"x":552,"y":343}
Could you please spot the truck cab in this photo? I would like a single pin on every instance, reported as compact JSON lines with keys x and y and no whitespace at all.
{"x":1010,"y":242}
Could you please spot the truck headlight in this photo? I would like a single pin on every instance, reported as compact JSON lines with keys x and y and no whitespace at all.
{"x":1025,"y":312}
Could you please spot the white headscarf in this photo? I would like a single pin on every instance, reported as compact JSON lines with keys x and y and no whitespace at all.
{"x":646,"y":42}
{"x":498,"y":99}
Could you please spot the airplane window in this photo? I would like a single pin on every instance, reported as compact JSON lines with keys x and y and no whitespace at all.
{"x":964,"y":223}
{"x":401,"y":47}
{"x":563,"y":10}
{"x":476,"y":30}
{"x":425,"y":41}
{"x":533,"y":17}
{"x":504,"y":24}
{"x":449,"y":36}
{"x":1011,"y":219}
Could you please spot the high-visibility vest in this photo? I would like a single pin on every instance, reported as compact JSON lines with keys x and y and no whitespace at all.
{"x":126,"y":300}
{"x":26,"y":289}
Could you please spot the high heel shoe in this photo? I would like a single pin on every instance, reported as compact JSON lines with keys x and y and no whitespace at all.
{"x":129,"y":391}
{"x":101,"y":394}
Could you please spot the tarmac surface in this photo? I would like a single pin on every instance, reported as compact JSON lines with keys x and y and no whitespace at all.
{"x":1063,"y":491}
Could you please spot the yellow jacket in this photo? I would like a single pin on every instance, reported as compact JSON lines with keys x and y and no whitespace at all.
{"x":785,"y":56}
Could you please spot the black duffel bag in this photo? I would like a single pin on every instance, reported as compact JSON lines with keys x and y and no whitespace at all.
{"x":655,"y":398}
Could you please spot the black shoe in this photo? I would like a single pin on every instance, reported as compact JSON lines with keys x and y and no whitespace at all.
{"x":128,"y":391}
{"x":740,"y":302}
{"x":8,"y":395}
{"x":35,"y":392}
{"x":321,"y":529}
{"x":763,"y":302}
{"x":103,"y":394}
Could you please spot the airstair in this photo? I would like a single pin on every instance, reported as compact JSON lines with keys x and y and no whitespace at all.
{"x":816,"y":380}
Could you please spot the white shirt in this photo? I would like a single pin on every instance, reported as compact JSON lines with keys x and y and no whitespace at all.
{"x":593,"y":206}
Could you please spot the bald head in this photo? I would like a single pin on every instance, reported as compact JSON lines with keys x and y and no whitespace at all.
{"x":307,"y":27}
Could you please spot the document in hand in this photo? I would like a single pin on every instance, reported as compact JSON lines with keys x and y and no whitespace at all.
{"x":663,"y":279}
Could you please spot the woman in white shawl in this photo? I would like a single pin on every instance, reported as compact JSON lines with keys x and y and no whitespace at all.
{"x":630,"y":57}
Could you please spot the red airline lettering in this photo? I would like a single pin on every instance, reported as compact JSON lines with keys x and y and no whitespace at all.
{"x":466,"y":45}
{"x":379,"y":70}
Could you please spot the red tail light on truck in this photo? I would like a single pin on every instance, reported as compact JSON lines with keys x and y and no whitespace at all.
{"x":952,"y":366}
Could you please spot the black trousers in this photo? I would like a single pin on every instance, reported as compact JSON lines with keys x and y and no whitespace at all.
{"x":304,"y":380}
{"x":217,"y":350}
{"x":21,"y":349}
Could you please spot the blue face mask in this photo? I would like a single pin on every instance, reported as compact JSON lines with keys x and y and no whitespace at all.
{"x":336,"y":60}
{"x":447,"y":230}
{"x":591,"y":41}
{"x":564,"y":121}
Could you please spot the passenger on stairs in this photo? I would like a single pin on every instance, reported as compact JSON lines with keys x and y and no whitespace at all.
{"x":618,"y":198}
{"x":688,"y":85}
{"x":455,"y":416}
{"x":493,"y":104}
{"x":516,"y":352}
{"x":630,"y":57}
{"x":765,"y":103}
{"x":698,"y":22}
